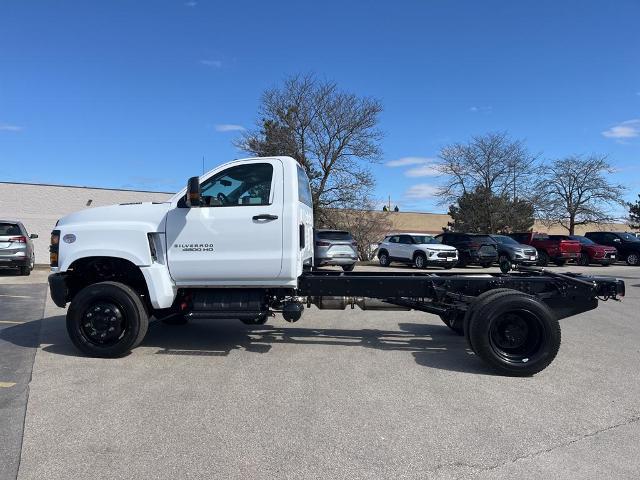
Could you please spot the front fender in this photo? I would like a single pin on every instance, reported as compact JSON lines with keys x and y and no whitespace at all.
{"x":129,"y":243}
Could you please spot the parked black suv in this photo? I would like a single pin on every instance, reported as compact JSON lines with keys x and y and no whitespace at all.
{"x":473,"y":248}
{"x":627,"y":244}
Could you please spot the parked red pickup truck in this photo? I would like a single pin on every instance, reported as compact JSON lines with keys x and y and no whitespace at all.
{"x":551,"y":248}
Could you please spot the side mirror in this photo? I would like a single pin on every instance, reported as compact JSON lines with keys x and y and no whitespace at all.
{"x":617,"y":240}
{"x":33,"y":235}
{"x":192,"y":198}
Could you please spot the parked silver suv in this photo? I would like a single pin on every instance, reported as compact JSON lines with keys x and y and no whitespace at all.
{"x":334,"y":247}
{"x":16,"y":247}
{"x":418,"y":249}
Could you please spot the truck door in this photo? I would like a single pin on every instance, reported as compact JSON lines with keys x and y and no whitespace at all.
{"x":235,"y":236}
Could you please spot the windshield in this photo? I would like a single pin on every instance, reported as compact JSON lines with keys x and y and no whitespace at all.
{"x":582,"y":240}
{"x":422,"y":239}
{"x":503,"y":239}
{"x":629,"y":237}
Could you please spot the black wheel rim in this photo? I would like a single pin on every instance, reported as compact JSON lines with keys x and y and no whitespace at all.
{"x":517,"y":336}
{"x":103,"y":323}
{"x":632,"y":259}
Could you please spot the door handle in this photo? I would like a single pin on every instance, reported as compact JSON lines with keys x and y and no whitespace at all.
{"x":265,"y":216}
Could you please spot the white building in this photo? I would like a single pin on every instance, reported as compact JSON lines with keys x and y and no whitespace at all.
{"x":39,"y":206}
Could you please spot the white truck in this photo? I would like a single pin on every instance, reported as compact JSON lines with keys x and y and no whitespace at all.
{"x":237,"y":242}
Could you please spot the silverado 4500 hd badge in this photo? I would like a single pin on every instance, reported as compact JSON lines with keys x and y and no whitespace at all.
{"x":194,"y":247}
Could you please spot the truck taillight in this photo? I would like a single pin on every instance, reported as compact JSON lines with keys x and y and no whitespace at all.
{"x":54,"y":248}
{"x":20,"y":239}
{"x":322,"y":244}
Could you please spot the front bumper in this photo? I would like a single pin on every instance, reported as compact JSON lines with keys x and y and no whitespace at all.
{"x":58,"y":289}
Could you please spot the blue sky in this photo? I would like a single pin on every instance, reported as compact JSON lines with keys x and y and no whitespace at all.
{"x":133,"y":94}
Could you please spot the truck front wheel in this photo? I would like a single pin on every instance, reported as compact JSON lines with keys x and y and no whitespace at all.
{"x":107,"y":319}
{"x":515,"y":333}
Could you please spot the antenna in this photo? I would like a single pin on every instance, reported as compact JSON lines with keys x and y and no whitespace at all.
{"x":203,"y":164}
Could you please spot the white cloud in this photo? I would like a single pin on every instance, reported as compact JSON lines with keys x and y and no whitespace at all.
{"x":486,"y":109}
{"x":627,"y":129}
{"x":211,"y":63}
{"x":406,"y":161}
{"x":426,"y":170}
{"x":5,"y":127}
{"x":421,"y":191}
{"x":229,"y":127}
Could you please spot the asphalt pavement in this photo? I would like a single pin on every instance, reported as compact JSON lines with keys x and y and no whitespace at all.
{"x":21,"y":308}
{"x":339,"y":394}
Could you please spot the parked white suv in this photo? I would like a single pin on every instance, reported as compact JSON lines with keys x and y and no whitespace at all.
{"x":418,"y":249}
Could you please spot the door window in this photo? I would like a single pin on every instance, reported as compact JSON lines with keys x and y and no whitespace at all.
{"x":405,"y":239}
{"x":243,"y":185}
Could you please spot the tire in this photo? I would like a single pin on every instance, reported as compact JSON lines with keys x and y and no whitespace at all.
{"x":455,"y":321}
{"x":505,"y":263}
{"x":25,"y":271}
{"x":448,"y":266}
{"x":349,"y":268}
{"x":560,"y":263}
{"x":90,"y":329}
{"x":633,"y":259}
{"x":419,"y":260}
{"x":515,"y":334}
{"x":479,"y":301}
{"x":462,"y":262}
{"x":583,"y":260}
{"x":383,"y":259}
{"x":543,"y":258}
{"x":486,"y":265}
{"x":178,"y":319}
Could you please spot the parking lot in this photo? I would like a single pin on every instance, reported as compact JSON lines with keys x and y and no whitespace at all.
{"x":353,"y":394}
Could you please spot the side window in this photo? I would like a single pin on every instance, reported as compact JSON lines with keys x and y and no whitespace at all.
{"x":610,"y":237}
{"x":237,"y":186}
{"x":304,"y":191}
{"x":405,"y":239}
{"x":393,"y":239}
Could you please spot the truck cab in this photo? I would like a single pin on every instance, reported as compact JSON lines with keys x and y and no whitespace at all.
{"x":246,"y":223}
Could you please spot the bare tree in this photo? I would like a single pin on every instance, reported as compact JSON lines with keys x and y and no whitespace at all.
{"x":332,"y":133}
{"x":576,"y":191}
{"x":493,"y":162}
{"x":367,"y":226}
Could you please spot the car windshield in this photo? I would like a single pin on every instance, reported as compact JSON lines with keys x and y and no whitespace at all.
{"x":334,"y":235}
{"x":503,"y":239}
{"x":582,"y":240}
{"x":629,"y":237}
{"x":421,"y":239}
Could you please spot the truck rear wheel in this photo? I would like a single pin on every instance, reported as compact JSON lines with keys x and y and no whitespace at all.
{"x":107,"y":319}
{"x":514,"y":333}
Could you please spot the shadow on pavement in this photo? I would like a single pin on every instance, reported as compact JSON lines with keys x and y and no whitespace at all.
{"x":432,"y":346}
